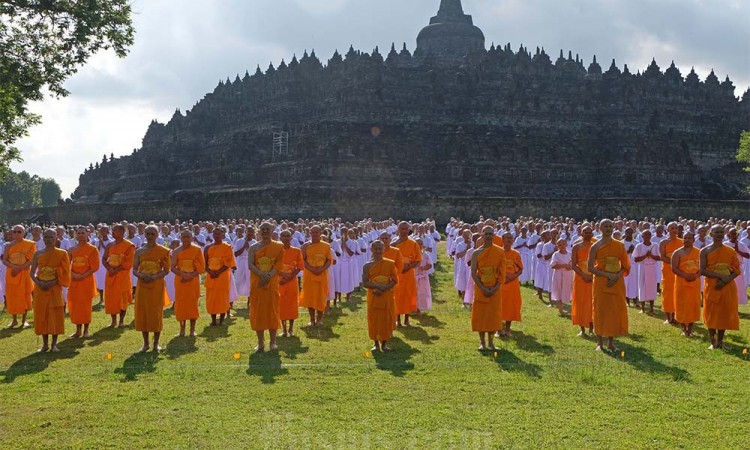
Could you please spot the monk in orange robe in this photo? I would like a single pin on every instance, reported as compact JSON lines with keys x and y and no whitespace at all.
{"x":379,"y":276}
{"x":84,"y":260}
{"x":219,"y":259}
{"x":488,"y":271}
{"x":17,"y":256}
{"x":118,"y":284}
{"x":511,"y":289}
{"x":609,"y":263}
{"x":50,"y":272}
{"x":406,"y":298}
{"x":317,"y":259}
{"x":583,"y":306}
{"x":666,"y":248}
{"x":720,"y":265}
{"x":687,"y":284}
{"x":188,"y":264}
{"x":288,"y":286}
{"x":152,"y":263}
{"x":394,"y":255}
{"x":265,"y":260}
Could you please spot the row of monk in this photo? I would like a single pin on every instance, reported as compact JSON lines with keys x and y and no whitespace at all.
{"x":54,"y":271}
{"x":602,"y":267}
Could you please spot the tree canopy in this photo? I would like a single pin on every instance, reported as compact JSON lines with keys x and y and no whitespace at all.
{"x":43,"y":43}
{"x":21,"y":190}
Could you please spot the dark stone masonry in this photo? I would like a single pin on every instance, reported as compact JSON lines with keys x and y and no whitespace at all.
{"x":449,"y":124}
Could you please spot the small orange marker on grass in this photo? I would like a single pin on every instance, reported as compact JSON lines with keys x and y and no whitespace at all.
{"x":108,"y":356}
{"x":236,"y":356}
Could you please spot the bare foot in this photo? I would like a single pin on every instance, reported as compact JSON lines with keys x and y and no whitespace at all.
{"x":290,"y":333}
{"x":259,"y":348}
{"x":144,"y":349}
{"x":386,"y":348}
{"x":613,"y":349}
{"x":491,"y":347}
{"x":26,"y":325}
{"x":55,"y":349}
{"x":180,"y":334}
{"x":192,"y":334}
{"x":509,"y":334}
{"x":375,"y":349}
{"x":74,"y":335}
{"x":122,"y":325}
{"x":86,"y":335}
{"x":157,"y":349}
{"x":712,"y":347}
{"x":667,"y":322}
{"x":310,"y":324}
{"x":43,"y":349}
{"x":319,"y":324}
{"x":482,"y":348}
{"x":273,"y":347}
{"x":13,"y":324}
{"x":499,"y":334}
{"x":581,"y":334}
{"x":114,"y":325}
{"x":598,"y":348}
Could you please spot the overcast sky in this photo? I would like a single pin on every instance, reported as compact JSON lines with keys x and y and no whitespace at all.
{"x":184,"y":47}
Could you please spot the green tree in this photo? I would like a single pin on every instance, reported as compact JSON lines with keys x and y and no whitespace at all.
{"x":43,"y":43}
{"x":49,"y":192}
{"x":743,"y":153}
{"x":19,"y":190}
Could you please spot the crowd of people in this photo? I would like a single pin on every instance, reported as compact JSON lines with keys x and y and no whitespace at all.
{"x":690,"y":263}
{"x":279,"y":266}
{"x":599,"y":267}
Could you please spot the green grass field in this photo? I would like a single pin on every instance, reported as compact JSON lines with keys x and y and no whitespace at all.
{"x":544,"y":388}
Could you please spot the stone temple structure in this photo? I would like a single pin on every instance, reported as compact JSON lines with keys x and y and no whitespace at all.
{"x":383,"y":132}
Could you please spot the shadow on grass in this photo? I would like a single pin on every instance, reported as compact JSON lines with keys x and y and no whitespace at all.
{"x":418,"y":334}
{"x":38,"y":362}
{"x":529,"y":343}
{"x":744,"y":315}
{"x":105,"y":335}
{"x":138,"y":364}
{"x":266,"y":365}
{"x":8,"y":332}
{"x":355,"y":302}
{"x":509,"y":362}
{"x":291,"y":346}
{"x":323,"y":333}
{"x":427,"y":320}
{"x":395,"y":361}
{"x":168,"y":313}
{"x":641,"y":359}
{"x":212,"y":334}
{"x":180,"y":346}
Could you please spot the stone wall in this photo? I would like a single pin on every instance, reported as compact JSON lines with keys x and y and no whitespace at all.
{"x":353,"y":204}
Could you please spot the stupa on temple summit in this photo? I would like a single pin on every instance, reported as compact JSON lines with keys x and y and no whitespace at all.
{"x":382,"y":132}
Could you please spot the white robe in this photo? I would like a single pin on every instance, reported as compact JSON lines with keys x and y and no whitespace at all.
{"x":647,"y":271}
{"x":526,"y":257}
{"x":242,"y":274}
{"x":101,"y":274}
{"x":631,"y":281}
{"x":562,"y":279}
{"x":460,"y":270}
{"x":469,"y":292}
{"x":424,"y":292}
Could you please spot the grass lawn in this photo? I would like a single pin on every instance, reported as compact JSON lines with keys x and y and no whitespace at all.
{"x":544,"y":388}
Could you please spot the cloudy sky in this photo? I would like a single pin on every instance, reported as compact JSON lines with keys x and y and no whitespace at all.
{"x":184,"y":47}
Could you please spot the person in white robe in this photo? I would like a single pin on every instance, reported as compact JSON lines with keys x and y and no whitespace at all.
{"x":646,"y":257}
{"x":561,"y":290}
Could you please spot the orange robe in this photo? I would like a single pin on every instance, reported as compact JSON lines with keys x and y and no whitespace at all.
{"x":720,"y":306}
{"x":511,"y":295}
{"x":687,"y":294}
{"x":149,"y":297}
{"x":84,"y":258}
{"x":486,"y":314}
{"x":264,"y":300}
{"x":217,"y":289}
{"x":667,"y":277}
{"x":380,"y":312}
{"x":315,"y":287}
{"x":18,"y":288}
{"x":289,"y":292}
{"x":189,"y":260}
{"x":610,"y":309}
{"x":118,"y":288}
{"x":582,"y":313}
{"x":394,"y":255}
{"x":49,"y":306}
{"x":496,"y":240}
{"x":406,"y":297}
